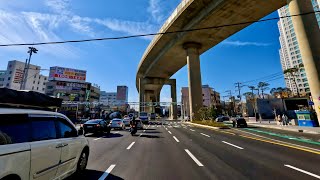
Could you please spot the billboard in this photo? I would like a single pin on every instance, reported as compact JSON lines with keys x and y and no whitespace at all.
{"x":67,"y":74}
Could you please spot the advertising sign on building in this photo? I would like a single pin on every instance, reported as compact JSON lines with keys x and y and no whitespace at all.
{"x":67,"y":74}
{"x":18,"y":75}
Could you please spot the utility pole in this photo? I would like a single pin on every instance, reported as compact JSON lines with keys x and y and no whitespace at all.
{"x":239,"y":86}
{"x":25,"y":74}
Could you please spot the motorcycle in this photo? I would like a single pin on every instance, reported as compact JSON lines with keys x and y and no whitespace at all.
{"x":133,"y":130}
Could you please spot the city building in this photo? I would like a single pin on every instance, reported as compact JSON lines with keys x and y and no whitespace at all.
{"x":78,"y":95}
{"x":12,"y":77}
{"x":108,"y":98}
{"x":290,"y":55}
{"x":115,"y":98}
{"x":122,"y":94}
{"x":210,"y":98}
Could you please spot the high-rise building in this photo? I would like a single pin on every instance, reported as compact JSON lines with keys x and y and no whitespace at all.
{"x":122,"y":94}
{"x":12,"y":77}
{"x":210,"y":98}
{"x":290,"y":55}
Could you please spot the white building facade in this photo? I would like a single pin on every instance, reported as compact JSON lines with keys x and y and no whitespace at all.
{"x":289,"y":52}
{"x":12,"y":77}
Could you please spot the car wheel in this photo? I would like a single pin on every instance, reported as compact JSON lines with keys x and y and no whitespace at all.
{"x":82,"y":163}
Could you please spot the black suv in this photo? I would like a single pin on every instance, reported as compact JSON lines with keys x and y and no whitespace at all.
{"x":239,"y":122}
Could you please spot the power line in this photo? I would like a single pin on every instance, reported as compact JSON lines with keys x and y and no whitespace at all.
{"x":159,"y":33}
{"x":265,"y":77}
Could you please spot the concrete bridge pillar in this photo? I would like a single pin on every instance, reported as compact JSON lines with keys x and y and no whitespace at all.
{"x":174,"y":99}
{"x":194,"y":75}
{"x":141,"y":95}
{"x":308,"y":36}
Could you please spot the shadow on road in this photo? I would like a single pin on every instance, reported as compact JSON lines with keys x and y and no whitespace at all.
{"x":150,"y":136}
{"x":156,"y":132}
{"x":92,"y":174}
{"x":112,"y":135}
{"x":149,"y":129}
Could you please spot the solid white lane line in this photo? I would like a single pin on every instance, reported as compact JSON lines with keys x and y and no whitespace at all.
{"x":232,"y":145}
{"x":169,"y":132}
{"x":166,"y":128}
{"x":116,"y":132}
{"x":303,"y":171}
{"x":107,"y":172}
{"x":194,"y":158}
{"x":97,"y":139}
{"x":176,"y":139}
{"x":192,"y":130}
{"x":204,"y":134}
{"x":129,"y":147}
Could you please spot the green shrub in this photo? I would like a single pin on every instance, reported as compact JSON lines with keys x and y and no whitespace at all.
{"x":210,"y":123}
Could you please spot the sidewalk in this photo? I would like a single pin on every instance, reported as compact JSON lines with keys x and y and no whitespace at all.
{"x":273,"y":125}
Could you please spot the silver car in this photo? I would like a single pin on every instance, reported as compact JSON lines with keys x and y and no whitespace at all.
{"x":117,"y":124}
{"x":126,"y":121}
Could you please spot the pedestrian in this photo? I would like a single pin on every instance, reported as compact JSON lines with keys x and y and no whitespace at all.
{"x":279,"y":120}
{"x":285,"y":120}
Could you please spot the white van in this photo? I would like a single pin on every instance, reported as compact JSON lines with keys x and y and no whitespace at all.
{"x":40,"y":145}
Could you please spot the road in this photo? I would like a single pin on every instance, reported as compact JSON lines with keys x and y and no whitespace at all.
{"x":180,"y":151}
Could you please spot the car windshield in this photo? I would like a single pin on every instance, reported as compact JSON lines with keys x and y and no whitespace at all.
{"x":143,"y":114}
{"x":92,"y":121}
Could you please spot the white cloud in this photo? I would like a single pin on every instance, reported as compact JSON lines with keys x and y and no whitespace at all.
{"x":30,"y":27}
{"x":155,"y":11}
{"x":244,"y":43}
{"x":129,"y":27}
{"x":59,"y":6}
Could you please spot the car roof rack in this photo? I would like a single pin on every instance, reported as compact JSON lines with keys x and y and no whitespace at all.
{"x":10,"y":98}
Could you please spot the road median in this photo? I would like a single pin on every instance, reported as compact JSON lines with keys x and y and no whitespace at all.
{"x":208,"y":125}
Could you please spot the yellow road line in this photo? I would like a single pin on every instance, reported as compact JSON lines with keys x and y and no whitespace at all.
{"x":227,"y":132}
{"x":281,"y":144}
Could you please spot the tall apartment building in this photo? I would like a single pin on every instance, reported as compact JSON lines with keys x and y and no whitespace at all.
{"x":210,"y":98}
{"x":12,"y":77}
{"x":290,"y":55}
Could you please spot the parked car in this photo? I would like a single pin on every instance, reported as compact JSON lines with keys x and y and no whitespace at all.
{"x":37,"y":144}
{"x":222,"y":118}
{"x":96,"y":126}
{"x":117,"y":124}
{"x":126,"y":121}
{"x":240,"y":122}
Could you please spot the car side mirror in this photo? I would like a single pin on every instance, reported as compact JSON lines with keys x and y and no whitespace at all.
{"x":80,"y":131}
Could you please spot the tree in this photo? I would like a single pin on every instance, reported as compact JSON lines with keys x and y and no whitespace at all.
{"x":263,"y":86}
{"x":280,"y":91}
{"x":248,"y":94}
{"x":292,"y":74}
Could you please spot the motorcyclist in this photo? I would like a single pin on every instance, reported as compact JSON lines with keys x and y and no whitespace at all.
{"x":133,"y":125}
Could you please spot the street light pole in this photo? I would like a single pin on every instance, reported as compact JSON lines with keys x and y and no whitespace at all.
{"x":27,"y":66}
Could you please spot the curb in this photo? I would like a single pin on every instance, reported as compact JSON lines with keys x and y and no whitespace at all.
{"x":284,"y":129}
{"x":205,"y":126}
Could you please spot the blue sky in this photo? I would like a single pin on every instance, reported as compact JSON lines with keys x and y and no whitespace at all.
{"x":247,"y":55}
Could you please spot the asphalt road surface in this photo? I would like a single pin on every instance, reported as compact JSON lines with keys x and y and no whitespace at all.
{"x":180,"y":151}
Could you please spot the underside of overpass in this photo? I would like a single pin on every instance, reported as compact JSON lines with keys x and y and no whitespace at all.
{"x":168,"y":53}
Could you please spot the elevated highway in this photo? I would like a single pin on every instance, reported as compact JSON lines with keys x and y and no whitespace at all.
{"x":168,"y":53}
